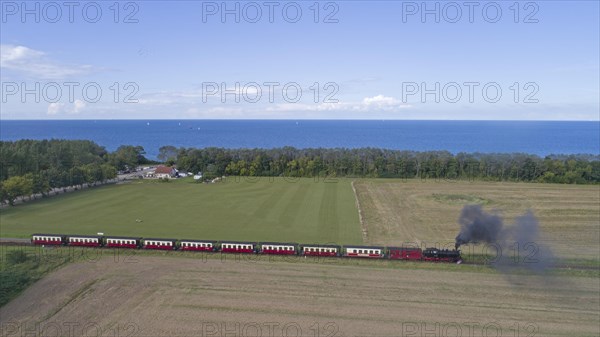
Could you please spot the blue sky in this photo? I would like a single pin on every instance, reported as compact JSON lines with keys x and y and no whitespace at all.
{"x":375,"y":61}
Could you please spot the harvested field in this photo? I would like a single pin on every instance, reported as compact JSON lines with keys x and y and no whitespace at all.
{"x":164,"y":296}
{"x":426,"y":211}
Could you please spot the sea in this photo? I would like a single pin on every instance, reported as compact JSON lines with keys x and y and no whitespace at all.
{"x":533,"y":137}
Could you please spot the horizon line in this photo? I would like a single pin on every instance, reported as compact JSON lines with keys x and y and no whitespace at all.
{"x":300,"y":119}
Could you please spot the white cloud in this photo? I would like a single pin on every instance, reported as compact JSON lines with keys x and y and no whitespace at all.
{"x":36,"y":64}
{"x":78,"y":106}
{"x":381,"y":101}
{"x":61,"y":108}
{"x":54,"y":108}
{"x":368,"y":104}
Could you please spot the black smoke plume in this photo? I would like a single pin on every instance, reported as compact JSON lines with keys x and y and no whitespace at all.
{"x":478,"y":226}
{"x":517,"y":246}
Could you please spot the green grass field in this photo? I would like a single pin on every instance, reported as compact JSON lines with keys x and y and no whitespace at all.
{"x":266,"y":210}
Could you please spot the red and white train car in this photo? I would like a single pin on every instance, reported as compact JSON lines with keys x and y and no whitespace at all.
{"x":405,"y":253}
{"x":122,"y":242}
{"x":320,"y":250}
{"x":275,"y":248}
{"x":47,"y":239}
{"x":364,"y":251}
{"x":159,"y":244}
{"x":198,"y":245}
{"x":238,"y":247}
{"x":84,"y":240}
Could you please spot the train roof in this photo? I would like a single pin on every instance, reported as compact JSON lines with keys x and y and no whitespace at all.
{"x":158,"y":239}
{"x":186,"y":240}
{"x":85,"y":236}
{"x":364,"y":247}
{"x":319,"y":245}
{"x":405,"y":248}
{"x":279,"y":243}
{"x":245,"y":242}
{"x":46,"y":234}
{"x":123,"y":237}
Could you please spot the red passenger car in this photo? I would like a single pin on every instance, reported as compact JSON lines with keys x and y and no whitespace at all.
{"x":84,"y":240}
{"x":159,"y":244}
{"x":364,"y":251}
{"x":48,"y":239}
{"x":122,"y":242}
{"x":275,"y":248}
{"x":405,"y":253}
{"x":238,"y":247}
{"x":320,"y":250}
{"x":198,"y":245}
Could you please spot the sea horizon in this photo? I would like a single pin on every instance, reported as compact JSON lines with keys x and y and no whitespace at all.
{"x":533,"y":137}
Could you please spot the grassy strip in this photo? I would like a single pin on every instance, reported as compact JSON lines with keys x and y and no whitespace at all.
{"x":21,"y":266}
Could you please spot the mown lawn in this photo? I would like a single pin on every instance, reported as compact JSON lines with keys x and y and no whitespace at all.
{"x":301,"y":210}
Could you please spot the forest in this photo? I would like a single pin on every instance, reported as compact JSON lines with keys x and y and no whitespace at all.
{"x":34,"y":167}
{"x":381,"y":163}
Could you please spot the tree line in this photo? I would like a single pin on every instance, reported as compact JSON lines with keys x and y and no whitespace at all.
{"x":33,"y":167}
{"x":381,"y":163}
{"x":30,"y":167}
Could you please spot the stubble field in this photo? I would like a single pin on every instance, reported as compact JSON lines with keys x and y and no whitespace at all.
{"x":164,"y":296}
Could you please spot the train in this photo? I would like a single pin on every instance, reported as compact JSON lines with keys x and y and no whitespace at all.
{"x":245,"y":247}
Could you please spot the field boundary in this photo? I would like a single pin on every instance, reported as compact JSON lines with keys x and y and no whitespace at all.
{"x":363,"y":227}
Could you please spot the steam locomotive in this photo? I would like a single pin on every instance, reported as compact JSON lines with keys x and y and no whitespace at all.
{"x":267,"y":248}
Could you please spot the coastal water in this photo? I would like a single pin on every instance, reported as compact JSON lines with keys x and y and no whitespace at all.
{"x":541,"y":138}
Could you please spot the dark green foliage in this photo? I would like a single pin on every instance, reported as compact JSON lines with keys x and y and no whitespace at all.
{"x":16,"y":257}
{"x":380,"y":163}
{"x":22,"y":266}
{"x":29,"y":167}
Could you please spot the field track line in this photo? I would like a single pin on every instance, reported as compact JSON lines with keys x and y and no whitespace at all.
{"x":363,"y":227}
